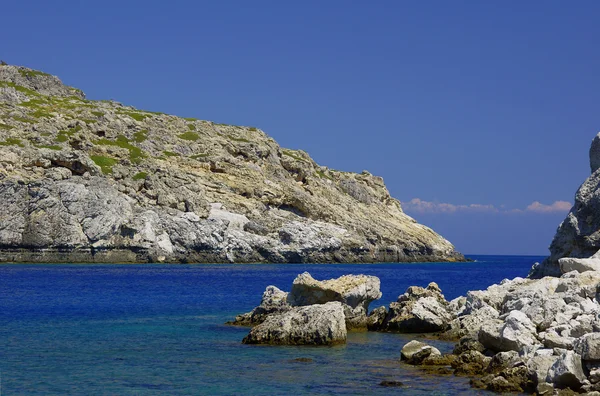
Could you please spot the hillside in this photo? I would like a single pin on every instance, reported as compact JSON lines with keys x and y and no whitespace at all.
{"x":97,"y":181}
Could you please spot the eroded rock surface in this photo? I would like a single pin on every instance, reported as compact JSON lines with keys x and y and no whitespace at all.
{"x":419,"y":310}
{"x":97,"y":181}
{"x":319,"y":324}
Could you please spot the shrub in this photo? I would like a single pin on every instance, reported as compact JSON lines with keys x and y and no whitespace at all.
{"x":192,"y":136}
{"x":105,"y":163}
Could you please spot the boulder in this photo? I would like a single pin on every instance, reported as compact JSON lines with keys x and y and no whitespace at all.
{"x":568,"y":264}
{"x":538,"y":367}
{"x":551,"y":339}
{"x":352,"y":290}
{"x":514,"y":334}
{"x":419,"y":310}
{"x":567,"y":371}
{"x":471,"y":363}
{"x":273,"y":300}
{"x":319,"y":324}
{"x":588,"y":346}
{"x":415,"y":352}
{"x":376,"y":318}
{"x":355,"y":292}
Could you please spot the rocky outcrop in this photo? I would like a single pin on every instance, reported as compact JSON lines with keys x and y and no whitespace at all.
{"x":419,"y":310}
{"x":578,"y":236}
{"x":319,"y":324}
{"x":273,"y":301}
{"x":97,"y":181}
{"x":354,"y":292}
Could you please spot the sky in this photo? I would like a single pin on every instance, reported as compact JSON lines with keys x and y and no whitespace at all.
{"x":478,"y":115}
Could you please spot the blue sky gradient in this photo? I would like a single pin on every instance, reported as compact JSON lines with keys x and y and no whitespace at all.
{"x":462,"y":102}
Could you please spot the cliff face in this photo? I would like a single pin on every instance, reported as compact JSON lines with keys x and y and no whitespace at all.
{"x":96,"y":181}
{"x":579,"y":234}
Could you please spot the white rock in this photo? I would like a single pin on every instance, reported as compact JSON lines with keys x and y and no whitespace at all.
{"x":567,"y":371}
{"x":319,"y":324}
{"x":415,"y":352}
{"x":588,"y":346}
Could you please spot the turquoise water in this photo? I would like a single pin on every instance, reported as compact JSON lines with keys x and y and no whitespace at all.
{"x":158,"y":329}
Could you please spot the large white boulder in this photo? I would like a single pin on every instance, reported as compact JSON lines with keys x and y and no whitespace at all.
{"x":319,"y":324}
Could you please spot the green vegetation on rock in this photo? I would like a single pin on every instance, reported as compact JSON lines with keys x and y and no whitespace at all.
{"x":291,"y":154}
{"x":235,"y":139}
{"x":193,"y":136}
{"x":32,"y":73}
{"x":140,"y":176}
{"x":136,"y":154}
{"x":4,"y":126}
{"x":171,"y":154}
{"x":140,"y":136}
{"x":12,"y":142}
{"x":105,"y":163}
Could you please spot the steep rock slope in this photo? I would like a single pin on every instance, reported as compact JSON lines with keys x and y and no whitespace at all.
{"x":579,"y":234}
{"x":97,"y":181}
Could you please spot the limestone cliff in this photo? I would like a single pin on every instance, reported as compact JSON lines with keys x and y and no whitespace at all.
{"x":579,"y":234}
{"x":97,"y":181}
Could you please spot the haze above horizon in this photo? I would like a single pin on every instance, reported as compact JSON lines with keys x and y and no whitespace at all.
{"x":478,"y":116}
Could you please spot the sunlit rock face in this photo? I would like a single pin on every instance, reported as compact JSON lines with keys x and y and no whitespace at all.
{"x":97,"y":181}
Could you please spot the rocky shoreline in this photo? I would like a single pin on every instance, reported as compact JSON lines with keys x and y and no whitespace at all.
{"x":539,"y":334}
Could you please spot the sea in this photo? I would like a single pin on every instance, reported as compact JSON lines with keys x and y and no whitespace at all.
{"x":156,"y":329}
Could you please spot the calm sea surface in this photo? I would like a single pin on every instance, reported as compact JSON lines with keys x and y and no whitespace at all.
{"x":158,"y":329}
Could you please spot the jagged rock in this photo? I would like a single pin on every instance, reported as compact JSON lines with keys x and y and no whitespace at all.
{"x":501,"y":361}
{"x":514,"y":379}
{"x":471,"y":363}
{"x":538,"y":367}
{"x":567,"y":371}
{"x":470,"y":324}
{"x":319,"y":324}
{"x":376,"y":318}
{"x":419,"y":310}
{"x":588,"y":346}
{"x":415,"y":352}
{"x":273,"y":300}
{"x":568,"y":264}
{"x":595,"y":153}
{"x":552,"y":340}
{"x":468,"y":343}
{"x":352,"y":290}
{"x":516,"y":332}
{"x":355,"y":292}
{"x":577,"y":236}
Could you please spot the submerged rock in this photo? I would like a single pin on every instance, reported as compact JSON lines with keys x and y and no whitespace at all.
{"x":319,"y":324}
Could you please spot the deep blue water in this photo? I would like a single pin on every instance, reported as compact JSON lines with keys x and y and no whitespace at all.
{"x":159,"y":329}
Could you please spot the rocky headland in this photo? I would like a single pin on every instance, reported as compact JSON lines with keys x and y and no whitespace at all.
{"x":98,"y":181}
{"x":539,"y":334}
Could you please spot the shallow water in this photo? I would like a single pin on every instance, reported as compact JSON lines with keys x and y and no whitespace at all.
{"x":158,"y":329}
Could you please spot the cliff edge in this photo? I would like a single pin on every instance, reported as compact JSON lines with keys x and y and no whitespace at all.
{"x":578,"y":236}
{"x":97,"y":181}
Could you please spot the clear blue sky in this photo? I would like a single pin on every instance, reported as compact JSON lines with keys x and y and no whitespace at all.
{"x":458,"y":102}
